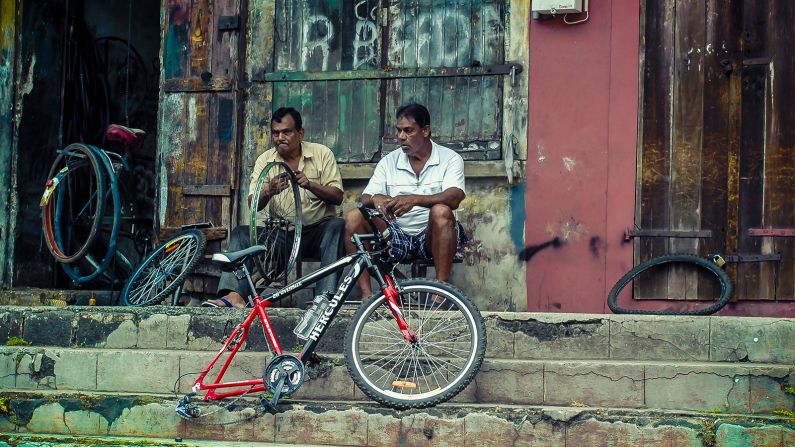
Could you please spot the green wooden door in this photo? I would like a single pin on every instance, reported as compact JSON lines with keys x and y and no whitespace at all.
{"x":348,"y":64}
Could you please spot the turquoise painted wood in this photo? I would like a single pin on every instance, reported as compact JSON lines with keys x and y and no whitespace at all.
{"x":358,"y":39}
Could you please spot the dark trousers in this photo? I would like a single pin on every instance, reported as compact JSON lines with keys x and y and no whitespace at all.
{"x":321,"y":240}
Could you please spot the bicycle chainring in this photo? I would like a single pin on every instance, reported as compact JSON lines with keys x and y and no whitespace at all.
{"x":287,"y":367}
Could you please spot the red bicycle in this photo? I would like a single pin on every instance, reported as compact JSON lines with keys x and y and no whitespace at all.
{"x":413,"y":344}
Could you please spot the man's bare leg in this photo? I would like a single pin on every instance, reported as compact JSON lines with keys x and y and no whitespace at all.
{"x":442,"y":240}
{"x":355,"y":224}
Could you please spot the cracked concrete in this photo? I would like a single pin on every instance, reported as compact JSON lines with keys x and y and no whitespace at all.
{"x":370,"y":425}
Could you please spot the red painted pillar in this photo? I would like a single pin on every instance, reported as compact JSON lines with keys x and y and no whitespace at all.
{"x":581,"y":167}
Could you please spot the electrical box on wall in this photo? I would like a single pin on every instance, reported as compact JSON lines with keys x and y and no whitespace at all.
{"x":556,"y":6}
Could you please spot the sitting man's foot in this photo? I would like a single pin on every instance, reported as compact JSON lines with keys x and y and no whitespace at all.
{"x":233,"y":299}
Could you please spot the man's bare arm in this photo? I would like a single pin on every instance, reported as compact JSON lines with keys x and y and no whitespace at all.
{"x":401,"y":205}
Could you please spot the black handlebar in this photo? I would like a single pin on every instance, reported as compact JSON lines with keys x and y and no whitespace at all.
{"x":369,"y":214}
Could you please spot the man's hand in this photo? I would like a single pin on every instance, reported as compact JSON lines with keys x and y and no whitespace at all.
{"x":380,"y":203}
{"x":275,"y":186}
{"x":400,"y":205}
{"x":301,"y":179}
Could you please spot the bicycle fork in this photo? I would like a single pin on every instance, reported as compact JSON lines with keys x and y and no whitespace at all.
{"x":391,"y":294}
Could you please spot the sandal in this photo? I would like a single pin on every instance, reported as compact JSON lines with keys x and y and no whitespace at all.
{"x":210,"y":303}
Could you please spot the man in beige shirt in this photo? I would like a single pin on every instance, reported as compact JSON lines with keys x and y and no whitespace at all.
{"x":319,"y":177}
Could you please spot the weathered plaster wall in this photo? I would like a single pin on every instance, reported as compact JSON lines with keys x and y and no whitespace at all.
{"x":493,"y":213}
{"x":581,"y":155}
{"x":7,"y":36}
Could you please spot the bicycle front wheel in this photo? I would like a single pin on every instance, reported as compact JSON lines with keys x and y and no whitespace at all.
{"x":278,"y":223}
{"x":451,"y":343}
{"x":164,"y":269}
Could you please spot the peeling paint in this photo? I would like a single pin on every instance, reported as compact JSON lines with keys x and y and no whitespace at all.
{"x":171,"y":144}
{"x":568,"y":163}
{"x":192,"y":132}
{"x":567,"y":230}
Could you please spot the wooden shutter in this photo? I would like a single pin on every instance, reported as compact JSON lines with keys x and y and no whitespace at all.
{"x":716,"y":147}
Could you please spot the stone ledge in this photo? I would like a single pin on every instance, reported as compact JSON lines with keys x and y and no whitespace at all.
{"x":700,"y":386}
{"x":510,"y":335}
{"x":360,"y":424}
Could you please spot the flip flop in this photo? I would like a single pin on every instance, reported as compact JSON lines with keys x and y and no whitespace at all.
{"x":223,"y":300}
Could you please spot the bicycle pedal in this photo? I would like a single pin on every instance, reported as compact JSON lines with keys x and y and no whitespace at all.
{"x":269,"y":407}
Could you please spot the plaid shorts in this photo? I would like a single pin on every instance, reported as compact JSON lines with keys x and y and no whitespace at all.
{"x":405,"y":247}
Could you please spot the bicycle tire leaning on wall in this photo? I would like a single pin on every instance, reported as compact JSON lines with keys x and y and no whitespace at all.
{"x":708,"y":264}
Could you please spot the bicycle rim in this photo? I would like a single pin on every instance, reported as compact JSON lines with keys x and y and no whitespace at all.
{"x":277,"y":225}
{"x":75,"y":203}
{"x":164,"y":270}
{"x":450,"y":347}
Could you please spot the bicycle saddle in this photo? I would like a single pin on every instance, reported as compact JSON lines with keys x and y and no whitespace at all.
{"x":125,"y":135}
{"x":231,"y":260}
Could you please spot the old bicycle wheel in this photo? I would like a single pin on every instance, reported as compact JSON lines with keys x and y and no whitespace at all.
{"x":277,"y":225}
{"x":451,"y":343}
{"x":73,"y":202}
{"x":100,"y":255}
{"x":164,"y":269}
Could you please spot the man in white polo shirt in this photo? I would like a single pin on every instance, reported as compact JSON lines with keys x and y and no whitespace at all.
{"x":416,"y":188}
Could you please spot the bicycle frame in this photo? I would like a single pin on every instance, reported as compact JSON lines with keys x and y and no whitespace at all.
{"x":358,"y":261}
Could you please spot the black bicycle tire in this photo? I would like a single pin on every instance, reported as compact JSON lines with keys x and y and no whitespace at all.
{"x":723,"y":279}
{"x":48,"y":216}
{"x":74,"y":271}
{"x":297,"y":224}
{"x":153,"y":257}
{"x":433,"y":397}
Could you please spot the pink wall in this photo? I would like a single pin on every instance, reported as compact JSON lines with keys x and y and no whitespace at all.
{"x":583,"y":94}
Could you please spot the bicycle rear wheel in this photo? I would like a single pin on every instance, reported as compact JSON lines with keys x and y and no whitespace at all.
{"x":445,"y":358}
{"x":164,"y":269}
{"x":722,"y":277}
{"x":73,"y":203}
{"x":277,"y":225}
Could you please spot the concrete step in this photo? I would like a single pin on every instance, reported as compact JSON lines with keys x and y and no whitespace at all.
{"x":364,"y":424}
{"x":52,"y":440}
{"x":531,"y":336}
{"x":702,"y":386}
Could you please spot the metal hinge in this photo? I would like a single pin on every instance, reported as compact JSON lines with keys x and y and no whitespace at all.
{"x":629,"y":233}
{"x":753,"y":258}
{"x":778,"y":232}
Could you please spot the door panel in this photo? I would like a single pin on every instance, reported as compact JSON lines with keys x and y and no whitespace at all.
{"x":716,"y":152}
